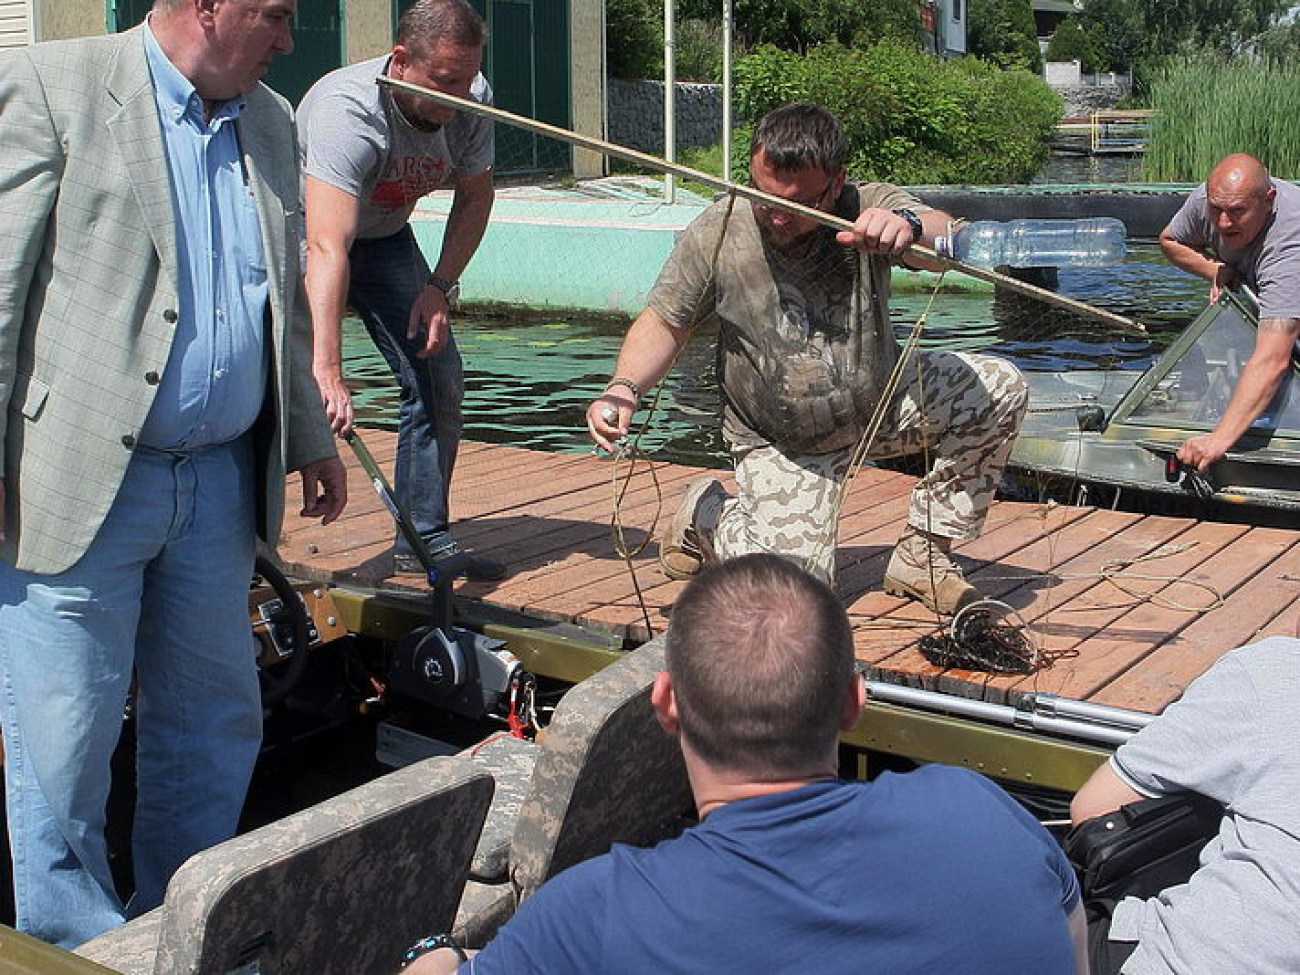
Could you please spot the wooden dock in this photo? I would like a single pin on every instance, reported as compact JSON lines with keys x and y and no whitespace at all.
{"x":1131,"y":607}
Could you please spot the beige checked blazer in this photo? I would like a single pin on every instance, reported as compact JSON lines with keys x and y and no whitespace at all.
{"x":88,"y":289}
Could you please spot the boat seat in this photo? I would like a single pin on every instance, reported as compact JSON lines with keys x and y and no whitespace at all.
{"x":345,"y":886}
{"x":604,"y":772}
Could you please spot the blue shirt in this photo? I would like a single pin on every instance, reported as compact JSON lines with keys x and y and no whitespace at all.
{"x":212,"y":387}
{"x":936,"y":872}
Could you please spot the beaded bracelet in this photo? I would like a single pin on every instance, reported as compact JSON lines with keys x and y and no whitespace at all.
{"x":431,"y":943}
{"x":627,"y":384}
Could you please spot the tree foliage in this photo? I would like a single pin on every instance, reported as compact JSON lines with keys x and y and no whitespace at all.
{"x":1070,"y":42}
{"x":797,"y":25}
{"x":1128,"y":32}
{"x":634,"y":38}
{"x":910,"y":117}
{"x":1281,"y":44}
{"x":1003,"y":32}
{"x":1117,"y":32}
{"x":634,"y":30}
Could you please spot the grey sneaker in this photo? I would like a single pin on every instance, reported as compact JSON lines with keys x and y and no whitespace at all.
{"x":683,"y":549}
{"x":921,"y":569}
{"x":479,"y":568}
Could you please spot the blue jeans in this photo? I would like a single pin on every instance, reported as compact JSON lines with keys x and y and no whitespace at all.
{"x":388,"y":274}
{"x":161,"y":595}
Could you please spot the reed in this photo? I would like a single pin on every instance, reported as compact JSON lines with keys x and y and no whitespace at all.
{"x":1209,"y":107}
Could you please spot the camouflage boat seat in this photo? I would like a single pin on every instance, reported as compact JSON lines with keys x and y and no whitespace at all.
{"x":344,"y":886}
{"x":604,"y":772}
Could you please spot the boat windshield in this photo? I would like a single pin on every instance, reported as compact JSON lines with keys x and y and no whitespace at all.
{"x":1193,"y":382}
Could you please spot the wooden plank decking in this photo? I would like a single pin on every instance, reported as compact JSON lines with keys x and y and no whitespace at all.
{"x":1135,"y":606}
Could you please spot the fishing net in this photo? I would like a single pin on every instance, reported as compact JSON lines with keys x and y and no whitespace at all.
{"x":978,"y":639}
{"x":569,"y":304}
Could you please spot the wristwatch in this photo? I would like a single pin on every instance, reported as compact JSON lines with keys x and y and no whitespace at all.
{"x":913,"y":221}
{"x":450,"y":289}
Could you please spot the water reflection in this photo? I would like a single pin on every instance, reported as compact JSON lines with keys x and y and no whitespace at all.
{"x":528,"y":382}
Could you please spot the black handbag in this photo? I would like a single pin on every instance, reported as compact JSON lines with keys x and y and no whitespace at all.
{"x":1142,"y":848}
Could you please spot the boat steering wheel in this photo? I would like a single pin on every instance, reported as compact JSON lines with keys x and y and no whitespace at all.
{"x":279,"y":679}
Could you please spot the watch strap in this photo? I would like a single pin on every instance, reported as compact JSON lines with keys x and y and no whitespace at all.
{"x":442,"y":284}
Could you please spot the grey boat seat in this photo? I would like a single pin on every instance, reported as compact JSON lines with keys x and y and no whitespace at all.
{"x":604,"y":772}
{"x":344,"y":886}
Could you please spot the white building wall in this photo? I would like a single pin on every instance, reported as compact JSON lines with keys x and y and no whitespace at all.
{"x":14,"y":17}
{"x":953,"y":13}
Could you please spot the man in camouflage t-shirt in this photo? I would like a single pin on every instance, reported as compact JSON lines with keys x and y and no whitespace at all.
{"x":805,"y":355}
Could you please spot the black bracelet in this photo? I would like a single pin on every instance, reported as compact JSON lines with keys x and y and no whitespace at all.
{"x":913,"y":221}
{"x":431,"y":943}
{"x":627,"y":384}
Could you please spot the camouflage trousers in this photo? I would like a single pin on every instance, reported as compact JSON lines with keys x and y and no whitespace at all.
{"x":962,"y":409}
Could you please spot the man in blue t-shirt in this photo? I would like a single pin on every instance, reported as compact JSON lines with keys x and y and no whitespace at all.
{"x":791,"y":869}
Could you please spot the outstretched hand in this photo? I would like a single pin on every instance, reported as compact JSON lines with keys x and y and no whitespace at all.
{"x":608,"y":418}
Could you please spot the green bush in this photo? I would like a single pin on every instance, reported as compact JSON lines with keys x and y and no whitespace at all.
{"x":796,"y":25}
{"x":1003,"y":32}
{"x":1070,"y":42}
{"x":910,"y":117}
{"x":1209,"y":106}
{"x":634,"y":38}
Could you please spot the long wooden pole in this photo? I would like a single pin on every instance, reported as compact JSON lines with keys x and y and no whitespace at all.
{"x":753,"y":195}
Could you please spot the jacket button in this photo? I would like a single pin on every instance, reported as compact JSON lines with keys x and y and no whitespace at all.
{"x":128,"y":441}
{"x":170,"y":316}
{"x":151,"y":378}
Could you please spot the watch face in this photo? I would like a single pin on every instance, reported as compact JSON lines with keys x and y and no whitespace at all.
{"x":453,"y":293}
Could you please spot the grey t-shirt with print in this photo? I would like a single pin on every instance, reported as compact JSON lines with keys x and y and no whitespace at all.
{"x":1231,"y":736}
{"x":805,"y":346}
{"x":1270,"y":264}
{"x":352,"y":136}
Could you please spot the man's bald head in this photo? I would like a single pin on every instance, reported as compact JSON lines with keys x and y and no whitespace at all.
{"x":1239,"y":193}
{"x":1240,"y":172}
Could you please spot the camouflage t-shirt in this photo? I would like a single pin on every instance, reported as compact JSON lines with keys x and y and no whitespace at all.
{"x":804,"y":341}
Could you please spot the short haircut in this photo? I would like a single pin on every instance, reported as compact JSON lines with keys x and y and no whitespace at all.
{"x":799,"y":136}
{"x":427,"y":22}
{"x":761,"y":655}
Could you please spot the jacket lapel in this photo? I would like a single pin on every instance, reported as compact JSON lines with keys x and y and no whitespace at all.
{"x":270,"y":185}
{"x":135,"y":130}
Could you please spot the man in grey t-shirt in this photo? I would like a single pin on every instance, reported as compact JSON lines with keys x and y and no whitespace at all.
{"x":1243,"y":227}
{"x":369,"y":153}
{"x":1231,"y":736}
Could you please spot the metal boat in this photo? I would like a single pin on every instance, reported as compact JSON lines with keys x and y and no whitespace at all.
{"x":1111,"y":436}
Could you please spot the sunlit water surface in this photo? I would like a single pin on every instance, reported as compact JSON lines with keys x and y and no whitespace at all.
{"x":528,"y":381}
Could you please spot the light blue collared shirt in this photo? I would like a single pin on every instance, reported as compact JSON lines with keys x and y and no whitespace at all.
{"x":212,"y":388}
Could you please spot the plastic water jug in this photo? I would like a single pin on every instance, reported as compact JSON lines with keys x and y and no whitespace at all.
{"x":1089,"y":242}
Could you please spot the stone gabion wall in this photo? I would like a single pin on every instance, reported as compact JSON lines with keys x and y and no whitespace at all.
{"x":636,"y":114}
{"x":1082,"y":100}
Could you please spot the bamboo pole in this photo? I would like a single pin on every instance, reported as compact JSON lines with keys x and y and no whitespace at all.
{"x":754,"y":196}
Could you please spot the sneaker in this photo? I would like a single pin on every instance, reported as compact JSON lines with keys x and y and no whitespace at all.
{"x":483,"y":569}
{"x":479,"y":568}
{"x":683,"y":549}
{"x":921,"y":569}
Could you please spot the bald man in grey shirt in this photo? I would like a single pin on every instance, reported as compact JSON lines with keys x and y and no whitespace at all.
{"x":1241,"y":226}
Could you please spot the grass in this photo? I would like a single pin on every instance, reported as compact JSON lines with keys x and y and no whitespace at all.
{"x":1208,"y":108}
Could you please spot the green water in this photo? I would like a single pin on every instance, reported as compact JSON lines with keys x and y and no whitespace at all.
{"x":528,"y":381}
